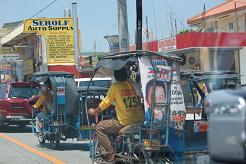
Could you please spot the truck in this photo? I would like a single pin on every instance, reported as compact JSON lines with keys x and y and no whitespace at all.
{"x":14,"y":106}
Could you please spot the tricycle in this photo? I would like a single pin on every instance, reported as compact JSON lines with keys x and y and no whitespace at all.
{"x":160,"y":138}
{"x":62,"y":120}
{"x":66,"y":117}
{"x":196,"y":87}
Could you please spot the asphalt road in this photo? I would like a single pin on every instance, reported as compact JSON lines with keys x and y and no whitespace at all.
{"x":20,"y":146}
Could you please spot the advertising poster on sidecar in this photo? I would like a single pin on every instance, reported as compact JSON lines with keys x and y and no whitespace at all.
{"x":165,"y":75}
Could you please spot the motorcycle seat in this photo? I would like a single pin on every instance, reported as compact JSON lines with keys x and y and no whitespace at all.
{"x":131,"y":129}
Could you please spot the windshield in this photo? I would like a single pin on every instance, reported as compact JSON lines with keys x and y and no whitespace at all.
{"x":22,"y":92}
{"x":193,"y":97}
{"x":2,"y":90}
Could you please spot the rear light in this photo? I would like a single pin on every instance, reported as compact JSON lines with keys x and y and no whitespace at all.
{"x":230,"y":109}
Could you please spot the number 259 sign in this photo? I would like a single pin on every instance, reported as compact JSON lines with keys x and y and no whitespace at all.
{"x":60,"y":91}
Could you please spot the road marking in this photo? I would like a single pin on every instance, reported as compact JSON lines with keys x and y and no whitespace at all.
{"x":30,"y":149}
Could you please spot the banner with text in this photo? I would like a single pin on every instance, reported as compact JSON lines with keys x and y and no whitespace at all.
{"x":59,"y":38}
{"x":166,"y":45}
{"x":177,"y":106}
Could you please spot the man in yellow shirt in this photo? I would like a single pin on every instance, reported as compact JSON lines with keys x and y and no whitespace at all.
{"x":128,"y":109}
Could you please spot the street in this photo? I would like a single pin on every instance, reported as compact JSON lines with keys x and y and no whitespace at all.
{"x":18,"y":145}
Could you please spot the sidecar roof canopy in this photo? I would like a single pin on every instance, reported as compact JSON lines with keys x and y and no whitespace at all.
{"x":44,"y":76}
{"x":118,"y":60}
{"x":197,"y":76}
{"x":67,"y":81}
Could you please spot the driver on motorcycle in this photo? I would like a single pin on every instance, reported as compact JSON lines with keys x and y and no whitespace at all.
{"x":128,"y":110}
{"x":44,"y":101}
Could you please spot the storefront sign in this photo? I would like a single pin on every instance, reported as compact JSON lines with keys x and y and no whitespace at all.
{"x":59,"y":38}
{"x":7,"y":69}
{"x":7,"y":50}
{"x":44,"y":25}
{"x":9,"y":57}
{"x":167,"y":44}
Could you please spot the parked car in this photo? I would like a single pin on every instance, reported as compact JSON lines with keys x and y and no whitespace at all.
{"x":226,"y":137}
{"x":99,"y":82}
{"x":14,"y":106}
{"x":196,"y":86}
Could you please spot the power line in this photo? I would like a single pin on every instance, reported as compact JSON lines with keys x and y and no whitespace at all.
{"x":44,"y":8}
{"x":4,"y":2}
{"x":38,"y":11}
{"x":154,"y":17}
{"x":100,"y":42}
{"x":174,"y":13}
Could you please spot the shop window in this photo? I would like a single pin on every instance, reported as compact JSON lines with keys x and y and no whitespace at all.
{"x":210,"y":29}
{"x":230,"y":26}
{"x":216,"y":26}
{"x":245,"y":23}
{"x":222,"y":60}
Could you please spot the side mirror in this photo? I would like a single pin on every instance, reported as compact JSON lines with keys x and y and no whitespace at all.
{"x":31,"y":102}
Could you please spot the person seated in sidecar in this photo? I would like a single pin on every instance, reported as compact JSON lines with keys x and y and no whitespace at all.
{"x":44,"y":102}
{"x":128,"y":110}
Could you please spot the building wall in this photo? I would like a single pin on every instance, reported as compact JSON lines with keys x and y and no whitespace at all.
{"x":205,"y":59}
{"x":232,"y":22}
{"x":221,"y":23}
{"x":192,"y":61}
{"x":29,"y":54}
{"x":242,"y":66}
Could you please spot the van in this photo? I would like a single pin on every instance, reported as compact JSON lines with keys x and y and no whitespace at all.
{"x":96,"y":81}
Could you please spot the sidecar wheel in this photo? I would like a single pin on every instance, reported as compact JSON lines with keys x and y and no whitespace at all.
{"x":41,"y":140}
{"x":55,"y":142}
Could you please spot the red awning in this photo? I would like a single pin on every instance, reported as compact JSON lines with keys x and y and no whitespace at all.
{"x":211,"y":40}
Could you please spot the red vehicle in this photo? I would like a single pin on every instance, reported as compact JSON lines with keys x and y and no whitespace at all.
{"x":14,"y":107}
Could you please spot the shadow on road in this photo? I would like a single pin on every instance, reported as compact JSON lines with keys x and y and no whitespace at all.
{"x":66,"y":146}
{"x":16,"y":129}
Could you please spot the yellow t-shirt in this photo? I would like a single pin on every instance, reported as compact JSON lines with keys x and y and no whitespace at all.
{"x":45,"y":99}
{"x":39,"y":102}
{"x":127,"y":103}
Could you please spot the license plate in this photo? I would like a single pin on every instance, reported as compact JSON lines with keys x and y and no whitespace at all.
{"x":60,"y":91}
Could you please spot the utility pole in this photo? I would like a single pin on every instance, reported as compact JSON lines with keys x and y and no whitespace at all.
{"x":203,"y":19}
{"x":139,"y":24}
{"x":123,"y":26}
{"x":147,"y":33}
{"x":236,"y":19}
{"x":93,"y":58}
